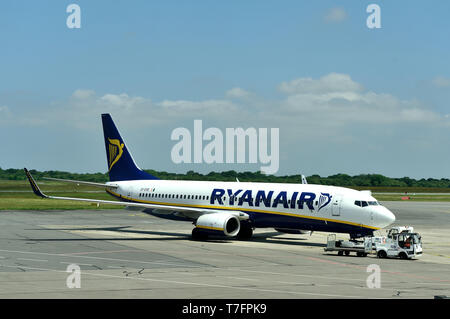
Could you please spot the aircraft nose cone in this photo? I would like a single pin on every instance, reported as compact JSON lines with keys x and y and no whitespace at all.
{"x":385,"y":217}
{"x":390,"y":217}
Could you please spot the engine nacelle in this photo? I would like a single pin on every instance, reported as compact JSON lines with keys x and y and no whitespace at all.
{"x":219,"y":223}
{"x":292,"y":231}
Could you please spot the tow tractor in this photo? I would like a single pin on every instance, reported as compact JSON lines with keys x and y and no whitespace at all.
{"x":401,"y":241}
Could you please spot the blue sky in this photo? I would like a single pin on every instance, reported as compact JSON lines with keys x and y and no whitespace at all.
{"x":158,"y":65}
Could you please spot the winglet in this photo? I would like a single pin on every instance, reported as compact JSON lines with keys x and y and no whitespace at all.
{"x":304,"y":180}
{"x":33,"y":184}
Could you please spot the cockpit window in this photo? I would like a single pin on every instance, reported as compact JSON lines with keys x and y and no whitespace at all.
{"x":362,"y":203}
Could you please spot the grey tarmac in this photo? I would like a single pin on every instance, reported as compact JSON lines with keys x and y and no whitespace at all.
{"x":127,"y":254}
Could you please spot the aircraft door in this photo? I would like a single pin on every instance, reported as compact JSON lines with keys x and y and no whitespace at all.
{"x":336,"y":206}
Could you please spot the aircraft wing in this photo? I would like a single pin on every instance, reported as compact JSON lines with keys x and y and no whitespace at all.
{"x":81,"y":182}
{"x":187,"y":211}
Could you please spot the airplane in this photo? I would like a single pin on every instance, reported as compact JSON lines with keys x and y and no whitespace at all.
{"x":232,"y":209}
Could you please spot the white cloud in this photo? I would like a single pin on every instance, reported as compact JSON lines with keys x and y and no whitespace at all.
{"x":204,"y":108}
{"x":340,"y":109}
{"x":5,"y":114}
{"x":83,"y":94}
{"x":333,"y":82}
{"x":237,"y":93}
{"x":332,"y":117}
{"x":123,"y":101}
{"x":441,"y":82}
{"x":311,"y":106}
{"x":83,"y":108}
{"x":4,"y":111}
{"x":335,"y":15}
{"x":335,"y":100}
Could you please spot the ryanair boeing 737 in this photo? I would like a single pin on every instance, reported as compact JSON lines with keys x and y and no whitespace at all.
{"x":233,"y":209}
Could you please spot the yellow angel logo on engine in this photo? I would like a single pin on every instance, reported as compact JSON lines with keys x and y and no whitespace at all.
{"x":115,"y":152}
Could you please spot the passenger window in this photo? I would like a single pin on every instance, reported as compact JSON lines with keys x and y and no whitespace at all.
{"x":358,"y":203}
{"x":364,"y":204}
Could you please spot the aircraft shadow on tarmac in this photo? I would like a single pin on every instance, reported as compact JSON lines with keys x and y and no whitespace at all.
{"x":267,"y":237}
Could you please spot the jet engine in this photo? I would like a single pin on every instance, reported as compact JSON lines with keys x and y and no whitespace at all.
{"x":218,"y":223}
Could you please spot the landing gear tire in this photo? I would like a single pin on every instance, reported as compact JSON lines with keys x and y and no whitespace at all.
{"x":246,"y":232}
{"x":198,"y":235}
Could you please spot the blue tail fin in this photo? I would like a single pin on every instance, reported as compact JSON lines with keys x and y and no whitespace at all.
{"x":121,"y":166}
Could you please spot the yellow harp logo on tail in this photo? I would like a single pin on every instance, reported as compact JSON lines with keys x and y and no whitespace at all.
{"x":115,"y":152}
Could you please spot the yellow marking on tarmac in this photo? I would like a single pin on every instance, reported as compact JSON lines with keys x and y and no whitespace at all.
{"x":437,"y":255}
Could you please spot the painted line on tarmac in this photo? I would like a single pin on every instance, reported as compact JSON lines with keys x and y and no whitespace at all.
{"x":78,"y":264}
{"x":103,"y":252}
{"x":238,"y":278}
{"x":298,"y":275}
{"x":194,"y":283}
{"x":383,"y":271}
{"x":101,"y":258}
{"x":40,"y":260}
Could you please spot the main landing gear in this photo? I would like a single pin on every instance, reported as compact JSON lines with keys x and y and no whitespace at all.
{"x":246,"y":231}
{"x":197,"y":234}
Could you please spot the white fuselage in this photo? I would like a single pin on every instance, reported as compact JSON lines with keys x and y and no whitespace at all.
{"x":290,"y":206}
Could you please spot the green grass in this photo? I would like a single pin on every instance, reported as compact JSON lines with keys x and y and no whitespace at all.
{"x":409,"y":190}
{"x":17,"y":195}
{"x":415,"y":198}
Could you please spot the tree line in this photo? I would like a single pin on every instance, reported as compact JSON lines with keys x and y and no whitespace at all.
{"x":370,"y":180}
